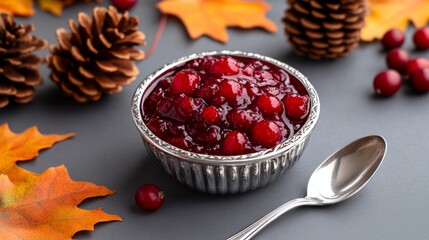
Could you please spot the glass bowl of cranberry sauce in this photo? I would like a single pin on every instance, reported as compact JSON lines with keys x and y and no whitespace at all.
{"x":225,"y":122}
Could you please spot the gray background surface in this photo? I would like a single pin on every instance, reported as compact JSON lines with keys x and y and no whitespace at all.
{"x":108,"y":150}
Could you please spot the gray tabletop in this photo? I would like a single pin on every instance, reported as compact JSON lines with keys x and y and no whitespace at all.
{"x":108,"y":150}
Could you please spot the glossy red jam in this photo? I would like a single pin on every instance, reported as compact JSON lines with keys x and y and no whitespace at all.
{"x":223,"y":105}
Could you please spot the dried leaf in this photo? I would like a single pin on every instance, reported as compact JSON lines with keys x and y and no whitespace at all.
{"x":23,"y":147}
{"x":17,"y":7}
{"x":44,"y":206}
{"x":212,"y":17}
{"x":387,"y":14}
{"x":54,"y":6}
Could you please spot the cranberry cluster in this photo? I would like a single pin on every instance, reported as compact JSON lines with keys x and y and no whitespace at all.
{"x":399,"y":62}
{"x":223,"y":105}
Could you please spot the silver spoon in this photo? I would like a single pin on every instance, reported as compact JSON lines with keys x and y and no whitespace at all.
{"x":339,"y":177}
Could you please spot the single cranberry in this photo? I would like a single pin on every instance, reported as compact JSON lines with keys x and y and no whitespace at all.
{"x":387,"y":83}
{"x":416,"y":64}
{"x":296,"y":106}
{"x":230,"y":90}
{"x":225,"y":66}
{"x":397,"y":59}
{"x":149,"y":197}
{"x":268,"y":104}
{"x":266,"y":133}
{"x":421,"y":38}
{"x":393,"y":38}
{"x":240,"y":119}
{"x":186,"y":106}
{"x":210,"y":115}
{"x":184,"y":82}
{"x":420,"y":80}
{"x":234,"y":143}
{"x":123,"y":4}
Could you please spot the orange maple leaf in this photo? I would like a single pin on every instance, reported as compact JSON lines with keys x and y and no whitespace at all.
{"x":54,"y":6}
{"x":45,"y":206}
{"x":387,"y":14}
{"x":17,"y":7}
{"x":23,"y":147}
{"x":212,"y":17}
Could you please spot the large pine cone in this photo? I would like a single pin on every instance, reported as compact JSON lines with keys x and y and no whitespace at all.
{"x":19,"y":68}
{"x":97,"y":56}
{"x":324,"y":28}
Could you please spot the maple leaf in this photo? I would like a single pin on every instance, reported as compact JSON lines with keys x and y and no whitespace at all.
{"x":387,"y":14}
{"x":54,"y":6}
{"x":17,"y":7}
{"x":23,"y":147}
{"x":45,"y":206}
{"x":212,"y":17}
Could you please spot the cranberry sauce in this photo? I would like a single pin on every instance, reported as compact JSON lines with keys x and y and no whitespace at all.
{"x":223,"y":105}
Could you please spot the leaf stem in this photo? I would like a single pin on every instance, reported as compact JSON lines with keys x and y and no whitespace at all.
{"x":158,"y":35}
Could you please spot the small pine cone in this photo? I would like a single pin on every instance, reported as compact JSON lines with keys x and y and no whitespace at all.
{"x":19,"y":67}
{"x":324,"y":28}
{"x":97,"y":56}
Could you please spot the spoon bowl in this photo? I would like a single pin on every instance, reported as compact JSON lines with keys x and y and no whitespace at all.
{"x":336,"y":179}
{"x":346,"y":171}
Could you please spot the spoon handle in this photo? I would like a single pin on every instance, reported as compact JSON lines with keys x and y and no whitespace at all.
{"x":257,"y":226}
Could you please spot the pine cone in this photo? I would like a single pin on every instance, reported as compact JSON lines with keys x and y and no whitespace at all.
{"x":96,"y":57}
{"x":19,"y":68}
{"x":324,"y":28}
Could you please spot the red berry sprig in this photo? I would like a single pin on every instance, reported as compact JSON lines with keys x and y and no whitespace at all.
{"x":416,"y":70}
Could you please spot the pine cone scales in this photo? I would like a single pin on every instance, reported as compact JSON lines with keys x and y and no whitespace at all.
{"x":96,"y":56}
{"x":324,"y":29}
{"x":19,"y":68}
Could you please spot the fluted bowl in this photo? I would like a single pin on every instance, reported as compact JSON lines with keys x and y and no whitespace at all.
{"x":225,"y":174}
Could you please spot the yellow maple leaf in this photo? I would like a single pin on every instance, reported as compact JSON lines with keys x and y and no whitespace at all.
{"x":387,"y":14}
{"x":23,"y":147}
{"x":45,"y":206}
{"x":17,"y":7}
{"x":212,"y":17}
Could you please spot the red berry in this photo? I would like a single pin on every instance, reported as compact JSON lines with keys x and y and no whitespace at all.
{"x":266,"y":133}
{"x":123,"y":4}
{"x":420,"y":80}
{"x":397,"y":59}
{"x":387,"y":83}
{"x":186,"y":106}
{"x":421,"y":38}
{"x":296,"y":106}
{"x":210,"y":115}
{"x":184,"y":82}
{"x":393,"y":38}
{"x":149,"y":197}
{"x":240,"y":119}
{"x":234,"y":143}
{"x":416,"y":64}
{"x":269,"y":104}
{"x":226,"y":66}
{"x":230,"y":90}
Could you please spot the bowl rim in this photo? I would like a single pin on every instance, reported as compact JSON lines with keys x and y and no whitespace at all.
{"x":242,"y":159}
